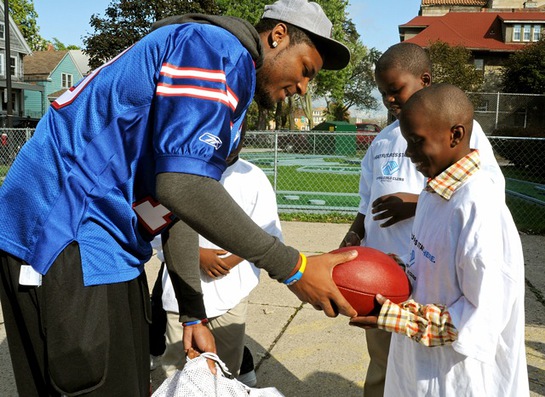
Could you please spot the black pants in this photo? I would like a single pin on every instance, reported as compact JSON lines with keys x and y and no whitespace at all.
{"x":157,"y":339}
{"x":65,"y":338}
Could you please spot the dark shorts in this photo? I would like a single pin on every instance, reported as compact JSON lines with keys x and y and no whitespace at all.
{"x":65,"y":338}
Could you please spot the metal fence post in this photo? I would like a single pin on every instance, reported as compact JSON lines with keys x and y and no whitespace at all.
{"x":497,"y":110}
{"x":275,"y":166}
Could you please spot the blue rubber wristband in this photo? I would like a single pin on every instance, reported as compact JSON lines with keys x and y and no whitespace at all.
{"x":195,"y":322}
{"x":297,"y":276}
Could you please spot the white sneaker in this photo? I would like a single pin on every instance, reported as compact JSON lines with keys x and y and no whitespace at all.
{"x":249,"y":378}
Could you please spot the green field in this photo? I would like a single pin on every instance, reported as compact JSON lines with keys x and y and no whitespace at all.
{"x":299,"y":191}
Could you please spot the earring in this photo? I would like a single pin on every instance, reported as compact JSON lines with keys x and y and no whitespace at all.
{"x":274,"y":44}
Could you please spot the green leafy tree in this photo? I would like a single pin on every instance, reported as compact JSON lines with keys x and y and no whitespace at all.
{"x":127,"y":21}
{"x":524,"y":71}
{"x":452,"y":64}
{"x":353,"y":86}
{"x":59,"y":46}
{"x":358,"y":89}
{"x":250,"y":10}
{"x":24,"y":15}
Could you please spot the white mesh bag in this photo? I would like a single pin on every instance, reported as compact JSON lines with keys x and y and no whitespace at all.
{"x":196,"y":380}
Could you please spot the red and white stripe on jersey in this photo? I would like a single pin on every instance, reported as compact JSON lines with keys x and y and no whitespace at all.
{"x":225,"y":96}
{"x":193,"y":73}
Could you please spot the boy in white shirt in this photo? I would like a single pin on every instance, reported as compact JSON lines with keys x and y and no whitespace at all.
{"x":390,"y":183}
{"x":226,"y":279}
{"x":466,"y":267}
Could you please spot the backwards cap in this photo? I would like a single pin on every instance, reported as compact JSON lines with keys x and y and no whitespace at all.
{"x":310,"y":17}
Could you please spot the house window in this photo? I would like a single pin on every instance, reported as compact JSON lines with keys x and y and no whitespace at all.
{"x":13,"y":65}
{"x":479,"y":64}
{"x":516,"y":33}
{"x":537,"y":33}
{"x":67,"y":80}
{"x":2,"y":30}
{"x":526,"y":32}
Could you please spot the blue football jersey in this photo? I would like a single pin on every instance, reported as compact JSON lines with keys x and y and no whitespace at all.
{"x":173,"y":102}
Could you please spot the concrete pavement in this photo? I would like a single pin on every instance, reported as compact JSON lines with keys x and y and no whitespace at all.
{"x":304,"y":353}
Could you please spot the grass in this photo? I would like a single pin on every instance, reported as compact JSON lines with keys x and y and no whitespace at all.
{"x":313,"y":217}
{"x":291,"y":179}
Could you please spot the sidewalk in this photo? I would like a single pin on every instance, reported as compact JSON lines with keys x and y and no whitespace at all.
{"x":303,"y":353}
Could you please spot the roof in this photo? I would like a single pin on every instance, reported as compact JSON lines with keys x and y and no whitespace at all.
{"x":480,"y":3}
{"x":473,"y":30}
{"x":56,"y":94}
{"x":42,"y":63}
{"x":81,"y":61}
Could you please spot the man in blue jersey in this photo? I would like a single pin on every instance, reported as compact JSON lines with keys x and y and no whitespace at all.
{"x":134,"y":150}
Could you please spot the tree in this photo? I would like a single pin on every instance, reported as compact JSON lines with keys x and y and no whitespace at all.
{"x":127,"y":21}
{"x":524,"y":71}
{"x":352,"y":86}
{"x":58,"y":46}
{"x":358,"y":89}
{"x":452,"y":64}
{"x":24,"y":15}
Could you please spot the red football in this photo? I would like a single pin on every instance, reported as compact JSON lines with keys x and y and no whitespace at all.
{"x":371,"y":272}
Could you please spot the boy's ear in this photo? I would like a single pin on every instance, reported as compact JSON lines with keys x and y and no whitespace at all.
{"x":426,"y":79}
{"x":457,"y":134}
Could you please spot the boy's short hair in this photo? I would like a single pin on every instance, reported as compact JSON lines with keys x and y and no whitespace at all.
{"x":406,"y":56}
{"x":446,"y":102}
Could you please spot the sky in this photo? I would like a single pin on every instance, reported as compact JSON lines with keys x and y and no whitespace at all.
{"x":376,"y":21}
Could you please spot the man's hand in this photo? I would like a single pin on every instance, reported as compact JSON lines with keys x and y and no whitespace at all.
{"x":368,"y":321}
{"x":316,"y":286}
{"x":211,"y":262}
{"x":198,"y":339}
{"x":394,"y":207}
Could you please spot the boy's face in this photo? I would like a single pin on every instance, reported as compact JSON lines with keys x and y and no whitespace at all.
{"x":397,"y":85}
{"x":429,"y":144}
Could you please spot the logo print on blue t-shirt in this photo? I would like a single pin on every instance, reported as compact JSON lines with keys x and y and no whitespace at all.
{"x":390,"y":168}
{"x":211,"y":140}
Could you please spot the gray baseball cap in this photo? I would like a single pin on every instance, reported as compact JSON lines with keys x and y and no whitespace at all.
{"x":310,"y":17}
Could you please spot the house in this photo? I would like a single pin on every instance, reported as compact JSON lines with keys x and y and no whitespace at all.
{"x":56,"y":72}
{"x":441,"y":7}
{"x":318,"y":115}
{"x":492,"y":30}
{"x":12,"y":111}
{"x":301,"y":120}
{"x":490,"y":34}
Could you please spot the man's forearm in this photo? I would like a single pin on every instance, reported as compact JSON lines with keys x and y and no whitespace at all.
{"x":181,"y":251}
{"x":207,"y":207}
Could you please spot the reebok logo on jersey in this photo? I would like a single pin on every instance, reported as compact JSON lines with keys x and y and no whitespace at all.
{"x":390,"y":168}
{"x":211,"y":140}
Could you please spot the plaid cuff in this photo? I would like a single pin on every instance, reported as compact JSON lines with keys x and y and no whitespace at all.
{"x":430,"y":325}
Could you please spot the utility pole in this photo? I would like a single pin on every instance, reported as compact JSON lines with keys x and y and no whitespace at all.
{"x":7,"y":69}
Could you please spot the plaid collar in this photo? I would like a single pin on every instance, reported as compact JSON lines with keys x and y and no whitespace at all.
{"x":447,"y":182}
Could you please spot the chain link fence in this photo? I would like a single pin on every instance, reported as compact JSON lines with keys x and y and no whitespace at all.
{"x":508,"y":113}
{"x":318,"y":172}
